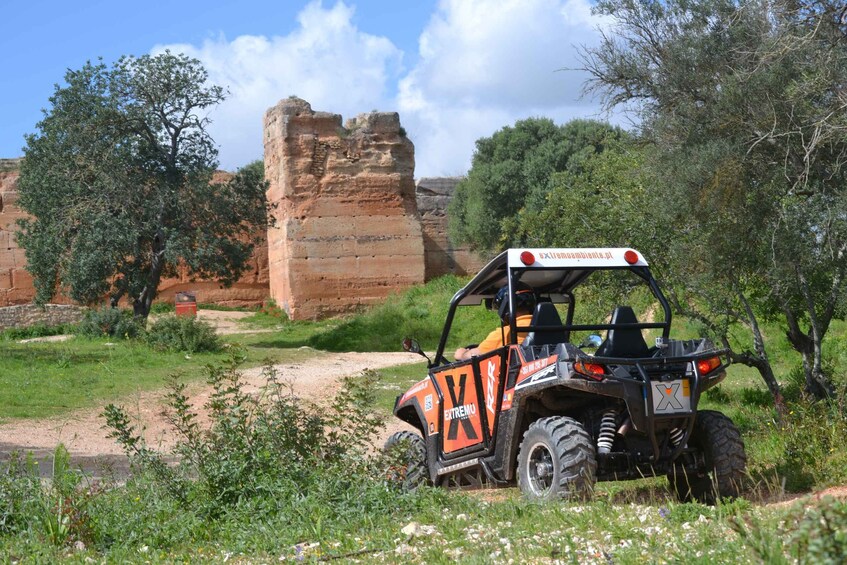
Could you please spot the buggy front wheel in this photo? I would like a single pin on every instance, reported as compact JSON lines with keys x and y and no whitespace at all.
{"x":407,"y":459}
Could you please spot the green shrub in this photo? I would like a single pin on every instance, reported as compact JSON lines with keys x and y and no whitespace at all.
{"x":815,"y":533}
{"x":820,"y":533}
{"x":57,"y":512}
{"x":109,"y":322}
{"x":182,"y":333}
{"x":277,"y":458}
{"x":20,"y":492}
{"x":813,"y":433}
{"x":162,"y":308}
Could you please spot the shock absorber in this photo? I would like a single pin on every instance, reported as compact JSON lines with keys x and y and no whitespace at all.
{"x":608,"y":426}
{"x":676,"y":435}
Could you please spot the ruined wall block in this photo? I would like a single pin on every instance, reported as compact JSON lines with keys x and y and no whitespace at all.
{"x":442,"y":256}
{"x":347,"y":233}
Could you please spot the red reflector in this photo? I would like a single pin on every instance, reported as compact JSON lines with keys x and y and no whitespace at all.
{"x":592,"y":370}
{"x":631,"y":257}
{"x":527,"y":258}
{"x":708,"y":365}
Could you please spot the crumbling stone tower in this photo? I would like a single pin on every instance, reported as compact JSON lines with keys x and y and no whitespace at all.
{"x":347,"y":232}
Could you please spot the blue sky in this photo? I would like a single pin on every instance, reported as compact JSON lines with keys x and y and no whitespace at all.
{"x":456,"y":70}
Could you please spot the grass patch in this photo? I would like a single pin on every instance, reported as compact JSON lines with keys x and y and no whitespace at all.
{"x":49,"y":379}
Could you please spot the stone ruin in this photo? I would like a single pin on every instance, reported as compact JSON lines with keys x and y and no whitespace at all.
{"x":441,"y":257}
{"x":15,"y":282}
{"x":346,"y":232}
{"x":352,"y":226}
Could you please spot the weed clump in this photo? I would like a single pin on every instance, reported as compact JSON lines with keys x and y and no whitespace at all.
{"x":182,"y":333}
{"x":267,"y":458}
{"x":58,"y":512}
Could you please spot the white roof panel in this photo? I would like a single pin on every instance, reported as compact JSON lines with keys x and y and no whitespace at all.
{"x":575,"y":257}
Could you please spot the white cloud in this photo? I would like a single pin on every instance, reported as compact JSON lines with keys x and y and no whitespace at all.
{"x":326,"y":61}
{"x":482,"y":65}
{"x":485,"y":64}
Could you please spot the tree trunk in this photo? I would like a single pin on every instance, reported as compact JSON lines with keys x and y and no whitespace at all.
{"x":818,"y":384}
{"x":760,"y":359}
{"x":141,"y":305}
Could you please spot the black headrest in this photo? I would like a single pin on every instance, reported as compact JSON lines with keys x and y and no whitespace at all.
{"x":546,"y":315}
{"x":623,"y":342}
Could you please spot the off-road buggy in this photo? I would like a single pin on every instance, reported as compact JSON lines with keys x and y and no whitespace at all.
{"x":555,"y":418}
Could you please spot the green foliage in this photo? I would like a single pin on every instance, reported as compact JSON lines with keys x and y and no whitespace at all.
{"x":813,"y":435}
{"x":162,"y":308}
{"x":269,"y":315}
{"x":261,"y":460}
{"x":602,"y":203}
{"x":111,"y":322}
{"x":418,"y":312}
{"x":766,"y":177}
{"x":182,"y":333}
{"x":58,"y":512}
{"x":821,"y":533}
{"x":117,"y":183}
{"x":20,"y":489}
{"x":513,"y":169}
{"x":816,"y":533}
{"x":38,"y":330}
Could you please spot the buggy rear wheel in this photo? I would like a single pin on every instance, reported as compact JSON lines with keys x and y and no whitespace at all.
{"x":407,"y":460}
{"x":556,"y":460}
{"x":718,"y":439}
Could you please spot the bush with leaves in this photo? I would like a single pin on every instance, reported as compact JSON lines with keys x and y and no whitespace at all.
{"x":813,"y":533}
{"x":813,"y":432}
{"x":37,"y":330}
{"x":273,"y":447}
{"x":109,"y":322}
{"x":19,"y":491}
{"x":57,"y":512}
{"x":182,"y":333}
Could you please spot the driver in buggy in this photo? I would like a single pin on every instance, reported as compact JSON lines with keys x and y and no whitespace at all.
{"x":525,"y":301}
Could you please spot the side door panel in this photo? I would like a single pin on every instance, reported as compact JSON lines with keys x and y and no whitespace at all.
{"x":470,"y":398}
{"x":461,"y":413}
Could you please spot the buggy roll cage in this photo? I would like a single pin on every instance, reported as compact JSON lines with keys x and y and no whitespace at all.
{"x":573,"y":265}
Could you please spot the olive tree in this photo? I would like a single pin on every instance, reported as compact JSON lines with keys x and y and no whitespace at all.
{"x":745,"y":102}
{"x":117,"y":180}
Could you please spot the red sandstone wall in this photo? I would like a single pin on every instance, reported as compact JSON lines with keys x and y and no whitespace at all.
{"x":16,"y":283}
{"x":347,"y":229}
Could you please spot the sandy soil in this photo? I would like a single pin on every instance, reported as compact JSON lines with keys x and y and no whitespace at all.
{"x":82,"y":431}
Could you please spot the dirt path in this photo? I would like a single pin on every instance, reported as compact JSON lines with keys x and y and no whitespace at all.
{"x":83,"y":435}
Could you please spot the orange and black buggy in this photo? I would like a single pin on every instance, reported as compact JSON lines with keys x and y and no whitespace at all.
{"x":555,"y":417}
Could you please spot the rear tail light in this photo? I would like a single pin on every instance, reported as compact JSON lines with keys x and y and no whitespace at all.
{"x":705,"y":366}
{"x":527,"y":258}
{"x":590,"y":370}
